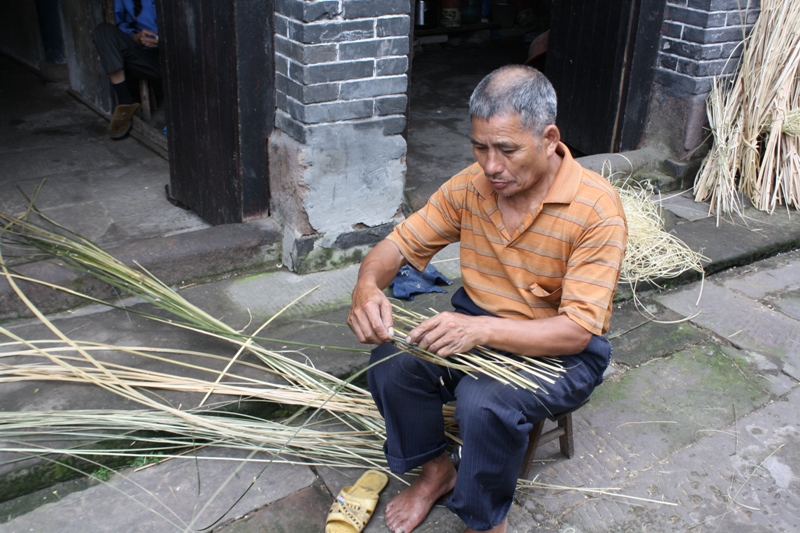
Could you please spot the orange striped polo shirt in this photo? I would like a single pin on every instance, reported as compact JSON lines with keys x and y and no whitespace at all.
{"x":565,"y":256}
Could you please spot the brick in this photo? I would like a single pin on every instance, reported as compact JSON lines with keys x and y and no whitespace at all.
{"x":355,"y":9}
{"x":667,"y":61}
{"x":308,"y":11}
{"x":373,"y":87}
{"x":710,"y":51}
{"x":306,"y":54}
{"x":390,"y":26}
{"x":391,"y":105}
{"x":330,"y":112}
{"x":694,"y":17}
{"x":330,"y":32}
{"x":391,"y":66}
{"x":374,"y":48}
{"x":672,"y":29}
{"x":716,"y":5}
{"x":286,"y":123}
{"x":307,"y":94}
{"x":716,"y":35}
{"x":731,"y":50}
{"x":281,"y":64}
{"x":681,"y":48}
{"x":326,"y":72}
{"x":394,"y":125}
{"x":280,"y":100}
{"x":681,"y":3}
{"x":680,"y":85}
{"x":281,"y":25}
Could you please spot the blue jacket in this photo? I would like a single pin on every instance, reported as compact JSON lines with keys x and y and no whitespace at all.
{"x":123,"y":16}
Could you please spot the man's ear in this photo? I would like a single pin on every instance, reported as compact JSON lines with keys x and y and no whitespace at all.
{"x":551,"y":136}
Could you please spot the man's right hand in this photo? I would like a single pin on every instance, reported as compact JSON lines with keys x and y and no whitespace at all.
{"x":370,"y":316}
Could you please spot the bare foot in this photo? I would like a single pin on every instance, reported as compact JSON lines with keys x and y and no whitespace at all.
{"x":409,"y":508}
{"x":499,"y":528}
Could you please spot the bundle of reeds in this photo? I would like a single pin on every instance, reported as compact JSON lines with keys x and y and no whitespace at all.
{"x":754,"y":119}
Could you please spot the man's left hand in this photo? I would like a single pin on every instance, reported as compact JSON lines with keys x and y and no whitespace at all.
{"x":447,"y":333}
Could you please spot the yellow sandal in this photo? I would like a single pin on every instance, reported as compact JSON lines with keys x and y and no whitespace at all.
{"x":354,"y":505}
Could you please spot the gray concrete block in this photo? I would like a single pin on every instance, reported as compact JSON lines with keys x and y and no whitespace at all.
{"x":685,"y":208}
{"x":327,"y":72}
{"x":287,"y":124}
{"x":714,"y":35}
{"x":374,"y":87}
{"x":788,"y":303}
{"x":308,"y":11}
{"x":695,"y":17}
{"x":391,"y":66}
{"x":331,"y":32}
{"x":305,"y":54}
{"x":674,"y":83}
{"x":373,"y":48}
{"x":717,"y":5}
{"x":391,"y":26}
{"x":354,"y":9}
{"x":391,"y":105}
{"x":330,"y":111}
{"x":307,"y":94}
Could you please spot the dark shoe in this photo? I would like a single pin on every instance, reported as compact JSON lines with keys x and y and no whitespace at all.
{"x":122,"y":120}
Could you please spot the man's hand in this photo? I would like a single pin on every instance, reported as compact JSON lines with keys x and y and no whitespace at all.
{"x":447,"y":333}
{"x":370,"y":316}
{"x":146,"y":38}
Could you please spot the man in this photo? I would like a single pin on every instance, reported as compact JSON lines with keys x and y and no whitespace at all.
{"x":542,"y":240}
{"x":131,"y":44}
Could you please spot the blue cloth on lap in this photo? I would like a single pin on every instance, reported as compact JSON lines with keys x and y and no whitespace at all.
{"x":410,"y":281}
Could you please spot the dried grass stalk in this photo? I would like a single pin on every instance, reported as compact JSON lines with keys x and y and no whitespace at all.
{"x":754,"y":121}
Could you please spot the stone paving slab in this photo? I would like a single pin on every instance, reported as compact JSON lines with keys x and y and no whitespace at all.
{"x":639,"y":335}
{"x":733,"y":242}
{"x":683,"y":206}
{"x":649,"y":414}
{"x":745,"y":323}
{"x":167,"y":497}
{"x":740,"y":480}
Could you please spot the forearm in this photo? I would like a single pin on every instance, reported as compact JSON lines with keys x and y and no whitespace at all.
{"x":381,"y":264}
{"x":557,"y":335}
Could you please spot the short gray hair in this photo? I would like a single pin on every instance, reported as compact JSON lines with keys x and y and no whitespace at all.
{"x":516,"y":90}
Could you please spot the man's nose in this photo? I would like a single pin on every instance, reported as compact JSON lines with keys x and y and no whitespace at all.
{"x":492,"y":165}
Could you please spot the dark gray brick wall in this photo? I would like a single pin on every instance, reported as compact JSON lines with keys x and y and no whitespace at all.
{"x":698,"y":39}
{"x":341,"y":61}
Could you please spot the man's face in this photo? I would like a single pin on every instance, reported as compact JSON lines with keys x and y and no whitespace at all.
{"x":513,"y":159}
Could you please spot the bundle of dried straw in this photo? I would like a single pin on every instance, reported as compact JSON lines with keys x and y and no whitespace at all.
{"x":755,"y":120}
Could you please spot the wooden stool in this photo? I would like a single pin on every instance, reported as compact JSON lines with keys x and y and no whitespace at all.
{"x":563,"y":432}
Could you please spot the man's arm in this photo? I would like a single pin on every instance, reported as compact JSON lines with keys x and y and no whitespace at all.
{"x":449,"y":333}
{"x":370,"y":315}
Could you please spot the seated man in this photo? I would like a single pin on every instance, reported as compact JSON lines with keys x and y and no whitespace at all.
{"x":542,"y":241}
{"x":131,"y":44}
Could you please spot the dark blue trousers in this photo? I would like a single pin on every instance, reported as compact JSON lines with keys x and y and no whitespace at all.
{"x":494,"y":419}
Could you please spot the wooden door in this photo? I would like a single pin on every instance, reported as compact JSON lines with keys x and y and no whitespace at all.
{"x":601,"y":58}
{"x":218,"y":78}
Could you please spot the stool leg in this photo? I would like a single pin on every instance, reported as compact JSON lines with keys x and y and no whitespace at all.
{"x":533,"y":443}
{"x":144,"y":96}
{"x":565,"y":441}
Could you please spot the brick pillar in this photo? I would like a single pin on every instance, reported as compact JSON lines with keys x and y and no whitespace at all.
{"x":337,"y":156}
{"x":701,"y":39}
